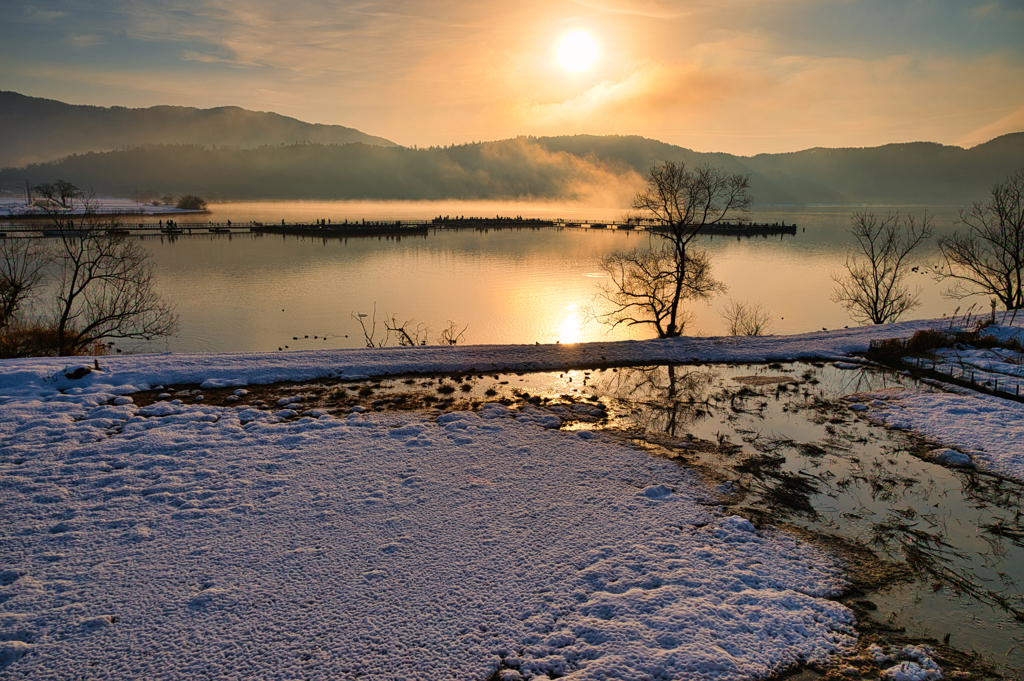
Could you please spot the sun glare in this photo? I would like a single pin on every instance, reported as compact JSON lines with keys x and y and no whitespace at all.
{"x":577,"y":51}
{"x":569,"y":330}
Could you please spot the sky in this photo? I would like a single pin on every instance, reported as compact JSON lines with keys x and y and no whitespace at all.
{"x":738,"y":76}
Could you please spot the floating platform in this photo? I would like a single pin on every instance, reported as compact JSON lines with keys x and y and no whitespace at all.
{"x":737,"y":229}
{"x":343,"y":231}
{"x":491,"y":223}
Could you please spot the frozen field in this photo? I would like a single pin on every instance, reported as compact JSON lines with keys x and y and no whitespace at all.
{"x":186,"y":540}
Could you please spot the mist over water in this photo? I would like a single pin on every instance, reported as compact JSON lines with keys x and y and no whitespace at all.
{"x":245,"y":292}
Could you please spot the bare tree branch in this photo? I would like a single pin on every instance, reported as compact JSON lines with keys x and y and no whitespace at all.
{"x":653,"y":285}
{"x":873,"y":289}
{"x":451,"y":334}
{"x":746,"y":319}
{"x":105,"y":287}
{"x":988,"y":257}
{"x":407,"y":337}
{"x":22,"y":270}
{"x":647,"y":286}
{"x":368,"y":334}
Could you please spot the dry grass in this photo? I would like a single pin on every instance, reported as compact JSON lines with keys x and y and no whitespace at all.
{"x":36,"y":340}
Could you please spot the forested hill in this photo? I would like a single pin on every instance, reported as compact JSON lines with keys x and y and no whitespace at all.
{"x":893,"y":174}
{"x":38,"y":130}
{"x":605,"y":168}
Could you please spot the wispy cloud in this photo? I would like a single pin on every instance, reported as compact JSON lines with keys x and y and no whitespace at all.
{"x":737,"y":75}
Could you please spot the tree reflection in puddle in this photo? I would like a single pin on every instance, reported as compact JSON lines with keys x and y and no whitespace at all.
{"x":795,"y":454}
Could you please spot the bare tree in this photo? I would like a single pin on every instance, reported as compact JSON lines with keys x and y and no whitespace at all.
{"x":405,"y":332}
{"x":746,"y":319}
{"x":191,"y":202}
{"x":22,"y":270}
{"x":451,"y":334}
{"x":60,"y":192}
{"x":368,"y":334}
{"x":408,"y":335}
{"x":873,"y":288}
{"x":648,"y":285}
{"x":105,"y":286}
{"x":651,"y":285}
{"x":988,"y":257}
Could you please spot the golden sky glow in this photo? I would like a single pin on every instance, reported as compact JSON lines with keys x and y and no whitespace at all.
{"x":742,"y":76}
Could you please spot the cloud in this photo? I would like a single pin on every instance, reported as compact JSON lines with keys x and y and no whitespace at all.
{"x":655,"y":9}
{"x":646,"y":92}
{"x":674,"y":9}
{"x":87,"y":40}
{"x":738,"y":75}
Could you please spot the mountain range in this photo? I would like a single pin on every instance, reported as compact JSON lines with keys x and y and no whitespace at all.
{"x":39,"y":130}
{"x":231,"y":153}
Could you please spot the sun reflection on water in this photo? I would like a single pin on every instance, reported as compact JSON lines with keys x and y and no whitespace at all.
{"x":569,"y":329}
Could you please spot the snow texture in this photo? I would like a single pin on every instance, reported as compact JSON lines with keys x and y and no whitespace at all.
{"x":185,"y":540}
{"x":238,"y":369}
{"x":988,"y":431}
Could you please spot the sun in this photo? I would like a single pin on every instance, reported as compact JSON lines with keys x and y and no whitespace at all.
{"x":577,"y":51}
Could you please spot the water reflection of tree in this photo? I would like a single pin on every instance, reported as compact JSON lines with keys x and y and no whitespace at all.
{"x":668,"y":398}
{"x":892,"y":501}
{"x":864,"y":380}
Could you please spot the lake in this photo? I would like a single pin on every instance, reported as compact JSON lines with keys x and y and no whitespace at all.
{"x":248,"y":292}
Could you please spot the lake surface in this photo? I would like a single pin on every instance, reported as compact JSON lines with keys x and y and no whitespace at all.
{"x":246,"y":292}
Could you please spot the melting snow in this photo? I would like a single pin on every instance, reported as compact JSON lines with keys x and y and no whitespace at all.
{"x":189,"y":540}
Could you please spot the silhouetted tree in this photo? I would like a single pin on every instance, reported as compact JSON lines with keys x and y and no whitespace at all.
{"x":650,"y":285}
{"x":746,"y":319}
{"x":191,"y":202}
{"x":22,"y":269}
{"x":59,"y":192}
{"x":451,"y":334}
{"x":873,"y":289}
{"x":105,"y":286}
{"x":988,"y":257}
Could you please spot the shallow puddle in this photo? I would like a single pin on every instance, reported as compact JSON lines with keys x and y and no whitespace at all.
{"x":787,"y":450}
{"x":795,"y":454}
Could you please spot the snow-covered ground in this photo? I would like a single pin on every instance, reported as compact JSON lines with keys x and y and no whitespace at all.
{"x":18,"y":208}
{"x":185,"y":540}
{"x":987,"y":430}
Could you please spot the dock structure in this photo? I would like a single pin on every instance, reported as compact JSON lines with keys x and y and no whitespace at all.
{"x":497,"y":222}
{"x":737,"y":228}
{"x":326,"y":229}
{"x":370,"y":228}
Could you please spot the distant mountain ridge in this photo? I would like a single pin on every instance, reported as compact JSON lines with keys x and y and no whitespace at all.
{"x":234,"y":165}
{"x":37,"y":130}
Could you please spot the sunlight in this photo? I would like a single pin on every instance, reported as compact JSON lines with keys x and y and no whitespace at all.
{"x":577,"y":51}
{"x":569,"y":331}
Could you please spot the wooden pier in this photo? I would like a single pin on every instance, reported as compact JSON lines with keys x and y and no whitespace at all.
{"x":366,"y":228}
{"x":344,"y":230}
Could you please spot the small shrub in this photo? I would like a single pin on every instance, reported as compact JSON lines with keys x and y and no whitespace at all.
{"x":886,"y":351}
{"x":928,"y":339}
{"x":37,"y":340}
{"x":985,"y":342}
{"x":746,"y":319}
{"x":191,"y":202}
